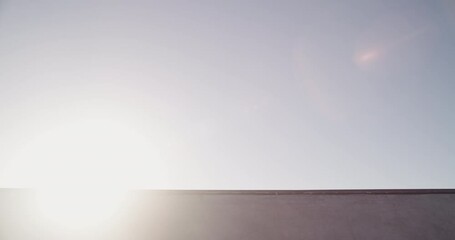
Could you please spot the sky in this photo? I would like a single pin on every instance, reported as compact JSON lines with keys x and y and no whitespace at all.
{"x":227,"y":94}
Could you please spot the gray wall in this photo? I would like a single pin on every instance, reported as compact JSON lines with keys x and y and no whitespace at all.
{"x":253,"y":215}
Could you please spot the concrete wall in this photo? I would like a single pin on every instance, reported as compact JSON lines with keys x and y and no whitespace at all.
{"x":310,"y":215}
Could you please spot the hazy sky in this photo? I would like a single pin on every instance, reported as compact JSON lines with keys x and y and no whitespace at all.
{"x":227,"y":94}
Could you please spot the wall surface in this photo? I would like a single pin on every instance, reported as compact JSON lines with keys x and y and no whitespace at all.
{"x":261,"y":215}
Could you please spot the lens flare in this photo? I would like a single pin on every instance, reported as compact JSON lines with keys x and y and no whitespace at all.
{"x":367,"y":57}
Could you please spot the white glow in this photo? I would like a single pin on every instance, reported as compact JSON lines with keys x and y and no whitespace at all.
{"x":75,"y":209}
{"x":94,"y":152}
{"x":81,"y":171}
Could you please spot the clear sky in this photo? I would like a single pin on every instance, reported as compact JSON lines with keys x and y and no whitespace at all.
{"x":227,"y":94}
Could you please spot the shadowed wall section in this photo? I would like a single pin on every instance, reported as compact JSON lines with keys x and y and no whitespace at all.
{"x":311,"y":215}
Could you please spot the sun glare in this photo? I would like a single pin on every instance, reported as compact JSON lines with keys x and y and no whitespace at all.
{"x":82,"y":208}
{"x":81,"y":171}
{"x":90,"y":153}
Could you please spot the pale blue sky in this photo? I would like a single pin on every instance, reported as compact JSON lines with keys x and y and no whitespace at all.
{"x":228,"y":94}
